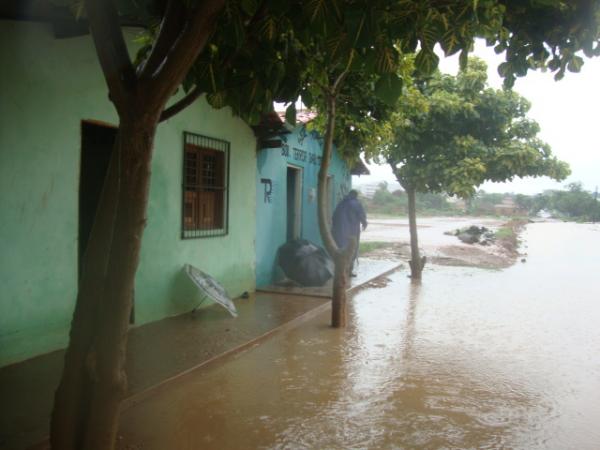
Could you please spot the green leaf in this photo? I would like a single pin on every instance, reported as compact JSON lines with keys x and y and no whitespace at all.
{"x":575,"y":64}
{"x":554,"y":63}
{"x":504,"y":69}
{"x":249,"y":6}
{"x":463,"y":59}
{"x":290,"y":114}
{"x":307,"y":98}
{"x":389,"y":88}
{"x":450,"y":42}
{"x":427,"y":61}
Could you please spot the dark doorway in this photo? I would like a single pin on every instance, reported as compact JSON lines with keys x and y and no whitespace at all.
{"x":294,"y":202}
{"x":97,"y":143}
{"x":96,"y":147}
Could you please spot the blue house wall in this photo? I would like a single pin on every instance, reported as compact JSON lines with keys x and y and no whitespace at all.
{"x":300,"y":149}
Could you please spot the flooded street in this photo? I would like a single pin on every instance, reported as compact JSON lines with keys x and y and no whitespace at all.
{"x":471,"y":358}
{"x":430,"y":229}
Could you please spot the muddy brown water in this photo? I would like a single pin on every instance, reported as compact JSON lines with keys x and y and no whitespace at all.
{"x":470,"y":358}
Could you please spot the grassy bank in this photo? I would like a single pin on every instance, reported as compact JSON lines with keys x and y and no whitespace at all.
{"x":368,"y":247}
{"x":507,"y":236}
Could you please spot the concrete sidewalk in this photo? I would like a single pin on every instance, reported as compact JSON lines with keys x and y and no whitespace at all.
{"x":159,"y":353}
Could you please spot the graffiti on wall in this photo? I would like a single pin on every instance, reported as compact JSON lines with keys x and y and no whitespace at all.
{"x":300,"y":155}
{"x":268,"y":185}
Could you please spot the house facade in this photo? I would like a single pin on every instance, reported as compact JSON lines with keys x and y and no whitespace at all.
{"x":508,"y":207}
{"x":286,"y":194}
{"x":56,"y":132}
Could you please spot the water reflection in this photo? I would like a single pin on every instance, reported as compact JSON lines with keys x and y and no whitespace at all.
{"x":467,"y":359}
{"x":414,"y":291}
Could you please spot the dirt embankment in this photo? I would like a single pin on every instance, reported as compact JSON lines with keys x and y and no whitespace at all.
{"x":501,"y":253}
{"x":507,"y":237}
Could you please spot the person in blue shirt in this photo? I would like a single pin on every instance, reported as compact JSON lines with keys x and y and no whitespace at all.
{"x":348,"y":217}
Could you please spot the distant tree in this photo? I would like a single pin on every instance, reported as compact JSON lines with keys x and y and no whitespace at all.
{"x":524,"y":202}
{"x":452,"y":133}
{"x":383,"y":197}
{"x":539,"y":203}
{"x":431,"y":201}
{"x":482,"y":203}
{"x":574,"y":203}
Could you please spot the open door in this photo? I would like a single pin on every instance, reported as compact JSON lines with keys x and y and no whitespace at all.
{"x":97,"y":142}
{"x":294,"y":202}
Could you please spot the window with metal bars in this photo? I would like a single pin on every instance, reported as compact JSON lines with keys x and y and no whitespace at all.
{"x":205,"y":203}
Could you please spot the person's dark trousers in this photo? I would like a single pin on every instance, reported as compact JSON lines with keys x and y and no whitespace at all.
{"x":354,"y":258}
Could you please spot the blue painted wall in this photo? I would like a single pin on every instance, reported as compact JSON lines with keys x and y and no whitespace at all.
{"x":302,"y":149}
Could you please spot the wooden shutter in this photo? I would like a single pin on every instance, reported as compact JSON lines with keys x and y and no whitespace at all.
{"x":191,"y":184}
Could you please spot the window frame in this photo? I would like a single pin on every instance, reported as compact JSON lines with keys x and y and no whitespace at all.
{"x":210,"y":145}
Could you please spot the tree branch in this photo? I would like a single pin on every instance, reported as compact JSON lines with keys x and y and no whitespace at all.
{"x":111,"y":49}
{"x":326,"y":235}
{"x":181,"y":104}
{"x":170,"y":28}
{"x":341,"y":76}
{"x":184,"y":51}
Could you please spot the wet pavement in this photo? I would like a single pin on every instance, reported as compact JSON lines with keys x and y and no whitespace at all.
{"x":470,"y":358}
{"x":365,"y":270}
{"x":158,"y":353}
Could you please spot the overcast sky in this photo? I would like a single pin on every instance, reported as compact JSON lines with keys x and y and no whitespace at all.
{"x":568,"y":114}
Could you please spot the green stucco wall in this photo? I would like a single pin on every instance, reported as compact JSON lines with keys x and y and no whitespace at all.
{"x":47,"y":89}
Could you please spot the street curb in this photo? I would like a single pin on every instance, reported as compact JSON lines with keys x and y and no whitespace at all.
{"x":139,"y":397}
{"x":351,"y":289}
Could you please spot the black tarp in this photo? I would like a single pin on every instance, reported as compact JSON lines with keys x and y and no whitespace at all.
{"x":305,"y":263}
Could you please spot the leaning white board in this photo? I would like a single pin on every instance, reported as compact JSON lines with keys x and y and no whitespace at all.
{"x":211,"y":288}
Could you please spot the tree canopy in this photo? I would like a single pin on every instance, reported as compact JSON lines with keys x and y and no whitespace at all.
{"x":265,"y":51}
{"x":449,"y":134}
{"x":572,"y":203}
{"x":452,"y":133}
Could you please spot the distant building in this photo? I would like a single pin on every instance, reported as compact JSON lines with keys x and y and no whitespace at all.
{"x":508,"y":207}
{"x":214,"y":201}
{"x":288,"y":163}
{"x":57,"y":128}
{"x":457,"y":202}
{"x":368,"y":189}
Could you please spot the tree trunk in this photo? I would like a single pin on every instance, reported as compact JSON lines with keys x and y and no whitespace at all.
{"x":340,"y":283}
{"x":341,"y":259}
{"x":135,"y":141}
{"x":338,"y":299}
{"x":86,"y":410}
{"x":71,"y":399}
{"x":416,"y":262}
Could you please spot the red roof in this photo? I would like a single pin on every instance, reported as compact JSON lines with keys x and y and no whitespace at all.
{"x":303,"y":116}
